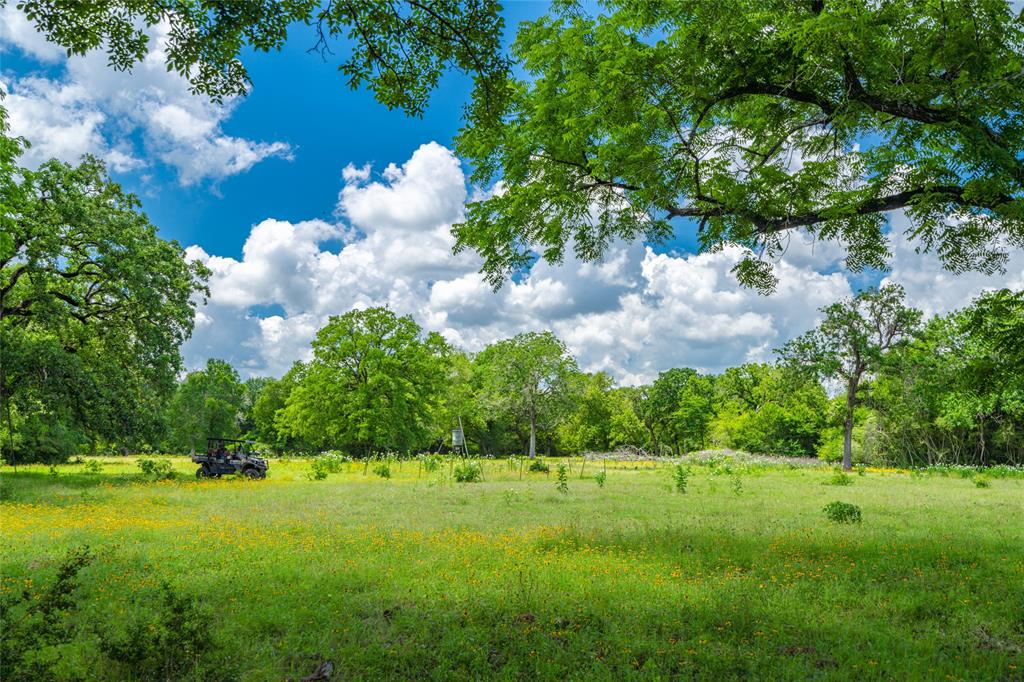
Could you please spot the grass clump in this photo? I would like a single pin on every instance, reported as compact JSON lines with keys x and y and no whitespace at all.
{"x":842,"y":512}
{"x":840,"y":478}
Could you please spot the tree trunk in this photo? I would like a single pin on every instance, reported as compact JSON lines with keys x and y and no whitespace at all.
{"x":851,"y":400}
{"x":533,"y":434}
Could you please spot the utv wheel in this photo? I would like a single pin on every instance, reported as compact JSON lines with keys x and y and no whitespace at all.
{"x":201,"y":473}
{"x":252,"y":474}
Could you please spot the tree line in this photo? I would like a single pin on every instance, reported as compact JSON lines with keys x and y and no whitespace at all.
{"x":946,"y":391}
{"x":869,"y":384}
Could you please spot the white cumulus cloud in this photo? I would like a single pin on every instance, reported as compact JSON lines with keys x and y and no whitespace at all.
{"x":90,"y":105}
{"x":635,"y":313}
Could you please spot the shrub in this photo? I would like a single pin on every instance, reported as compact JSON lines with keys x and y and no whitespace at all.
{"x":327,"y":463}
{"x":680,"y":476}
{"x":601,"y":477}
{"x":842,"y":512}
{"x":318,"y":469}
{"x":840,"y":478}
{"x":383,"y":470}
{"x":982,"y":482}
{"x":540,"y":466}
{"x":156,"y":469}
{"x":169,"y":639}
{"x":334,"y":462}
{"x":34,"y":623}
{"x":172,"y":638}
{"x":563,"y":479}
{"x":468,"y":472}
{"x":44,"y":439}
{"x":93,"y":467}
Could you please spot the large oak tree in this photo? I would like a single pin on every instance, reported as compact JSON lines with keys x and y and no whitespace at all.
{"x":94,"y":306}
{"x":374,"y":384}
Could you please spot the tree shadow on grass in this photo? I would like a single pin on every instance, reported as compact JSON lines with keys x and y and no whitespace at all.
{"x":43,"y":487}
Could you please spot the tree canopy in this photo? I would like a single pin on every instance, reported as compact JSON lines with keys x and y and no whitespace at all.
{"x":529,"y":377}
{"x":207,"y":404}
{"x":399,"y":48}
{"x":760,"y":121}
{"x":374,"y":384}
{"x":852,"y":341}
{"x":94,"y":306}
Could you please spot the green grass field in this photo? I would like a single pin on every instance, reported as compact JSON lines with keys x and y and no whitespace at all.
{"x":417,"y":577}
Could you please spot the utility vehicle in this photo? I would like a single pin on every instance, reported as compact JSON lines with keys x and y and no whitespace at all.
{"x":226,"y":456}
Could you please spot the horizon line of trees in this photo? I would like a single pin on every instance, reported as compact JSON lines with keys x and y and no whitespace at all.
{"x":950,"y":390}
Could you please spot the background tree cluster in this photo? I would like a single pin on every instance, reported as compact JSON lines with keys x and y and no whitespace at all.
{"x":869,"y":384}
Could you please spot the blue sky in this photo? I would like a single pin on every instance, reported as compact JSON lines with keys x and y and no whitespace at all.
{"x":302,"y":100}
{"x":307,"y":199}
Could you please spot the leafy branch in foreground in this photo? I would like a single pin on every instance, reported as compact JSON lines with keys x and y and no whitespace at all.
{"x":759,"y":121}
{"x":400,"y":48}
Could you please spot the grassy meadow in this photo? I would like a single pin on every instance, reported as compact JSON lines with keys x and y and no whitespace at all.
{"x":419,"y":577}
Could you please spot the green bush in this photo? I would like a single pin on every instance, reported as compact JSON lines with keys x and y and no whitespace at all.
{"x":383,"y":470}
{"x":840,"y":478}
{"x":540,"y":466}
{"x":334,"y":462}
{"x":468,"y":472}
{"x":156,"y":469}
{"x":318,"y":469}
{"x":34,"y":623}
{"x":171,"y":638}
{"x":842,"y":512}
{"x":43,"y":439}
{"x":982,"y":482}
{"x":563,"y":479}
{"x":327,"y":463}
{"x":601,"y":477}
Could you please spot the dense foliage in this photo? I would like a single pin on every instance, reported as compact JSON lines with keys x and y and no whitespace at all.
{"x":755,"y":118}
{"x":373,"y":384}
{"x":399,"y":48}
{"x":94,"y":306}
{"x":946,"y":392}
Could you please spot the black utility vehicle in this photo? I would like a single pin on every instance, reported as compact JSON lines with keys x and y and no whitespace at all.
{"x":225,"y":456}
